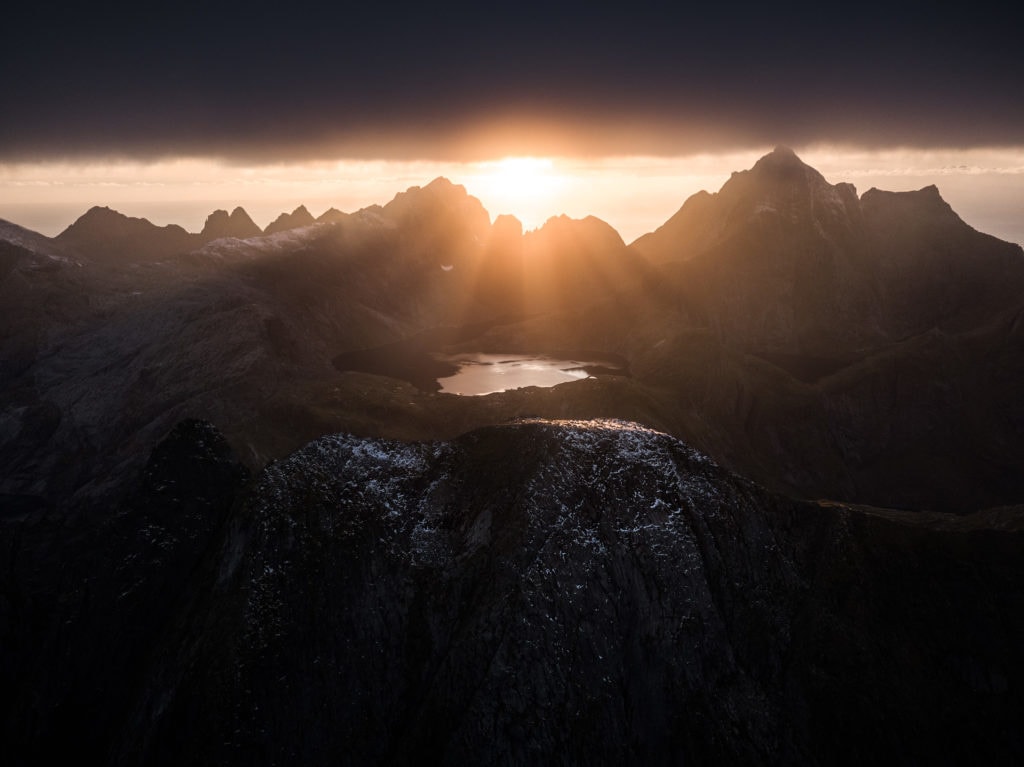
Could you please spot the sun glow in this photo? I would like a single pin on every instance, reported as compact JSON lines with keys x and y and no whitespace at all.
{"x":520,"y":176}
{"x":523,"y":186}
{"x":634,"y":194}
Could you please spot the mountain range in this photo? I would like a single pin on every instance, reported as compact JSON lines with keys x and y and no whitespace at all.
{"x":240,"y":523}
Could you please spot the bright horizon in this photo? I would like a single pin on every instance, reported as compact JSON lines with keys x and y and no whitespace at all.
{"x":634,"y":194}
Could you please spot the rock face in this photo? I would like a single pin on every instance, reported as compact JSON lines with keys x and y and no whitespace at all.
{"x":581,"y":592}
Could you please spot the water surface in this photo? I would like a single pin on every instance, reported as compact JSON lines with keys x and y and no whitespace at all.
{"x":489,"y":373}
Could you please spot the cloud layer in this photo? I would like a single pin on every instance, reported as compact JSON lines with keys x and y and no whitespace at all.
{"x":453,"y":82}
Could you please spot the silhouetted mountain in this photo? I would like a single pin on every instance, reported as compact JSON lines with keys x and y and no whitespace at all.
{"x":782,"y":261}
{"x":780,"y":190}
{"x":238,"y":224}
{"x":572,"y":262}
{"x":332,"y":216}
{"x":443,"y":223}
{"x":298,"y":217}
{"x":502,"y":278}
{"x":102,"y":234}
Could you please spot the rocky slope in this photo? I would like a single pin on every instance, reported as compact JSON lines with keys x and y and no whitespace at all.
{"x":566,"y":592}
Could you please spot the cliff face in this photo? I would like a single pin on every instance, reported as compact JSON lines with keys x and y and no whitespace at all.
{"x":580,"y":592}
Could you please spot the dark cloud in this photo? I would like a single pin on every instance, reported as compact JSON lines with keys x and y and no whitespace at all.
{"x":446,"y":81}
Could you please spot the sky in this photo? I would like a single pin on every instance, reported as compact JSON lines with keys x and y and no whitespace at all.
{"x":169,"y":109}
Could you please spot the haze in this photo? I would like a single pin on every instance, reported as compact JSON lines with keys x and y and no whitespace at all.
{"x":635,"y":194}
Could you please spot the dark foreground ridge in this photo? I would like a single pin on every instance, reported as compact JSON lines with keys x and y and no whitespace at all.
{"x":552,"y":592}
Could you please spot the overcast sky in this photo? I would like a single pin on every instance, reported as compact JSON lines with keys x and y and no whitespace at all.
{"x":463,"y":82}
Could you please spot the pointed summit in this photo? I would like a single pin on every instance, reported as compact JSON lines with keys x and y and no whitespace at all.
{"x":783,"y":163}
{"x":298,"y":217}
{"x":332,"y":216}
{"x":780,"y":190}
{"x":781,"y":155}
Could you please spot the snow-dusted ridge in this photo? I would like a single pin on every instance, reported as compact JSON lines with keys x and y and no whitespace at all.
{"x":587,"y":489}
{"x":40,"y":246}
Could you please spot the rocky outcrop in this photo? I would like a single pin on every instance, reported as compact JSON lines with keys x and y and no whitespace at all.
{"x":582,"y":592}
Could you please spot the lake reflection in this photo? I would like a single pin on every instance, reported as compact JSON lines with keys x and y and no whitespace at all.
{"x":489,"y":373}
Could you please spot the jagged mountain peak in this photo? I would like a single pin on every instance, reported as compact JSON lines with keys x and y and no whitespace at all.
{"x":781,"y":166}
{"x":439,"y":203}
{"x":781,"y":156}
{"x":297,"y":218}
{"x":929,"y":194}
{"x":102,"y":233}
{"x":332,"y":215}
{"x":101,"y":217}
{"x":911,"y":206}
{"x":779,"y":190}
{"x":439,"y":189}
{"x":442,"y":182}
{"x":238,"y":224}
{"x":98,"y":214}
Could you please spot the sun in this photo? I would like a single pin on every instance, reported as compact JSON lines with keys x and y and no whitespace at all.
{"x":526,"y":187}
{"x":522,"y":176}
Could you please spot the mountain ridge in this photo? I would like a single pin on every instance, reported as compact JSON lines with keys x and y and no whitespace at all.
{"x":776,"y":318}
{"x":234,"y":500}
